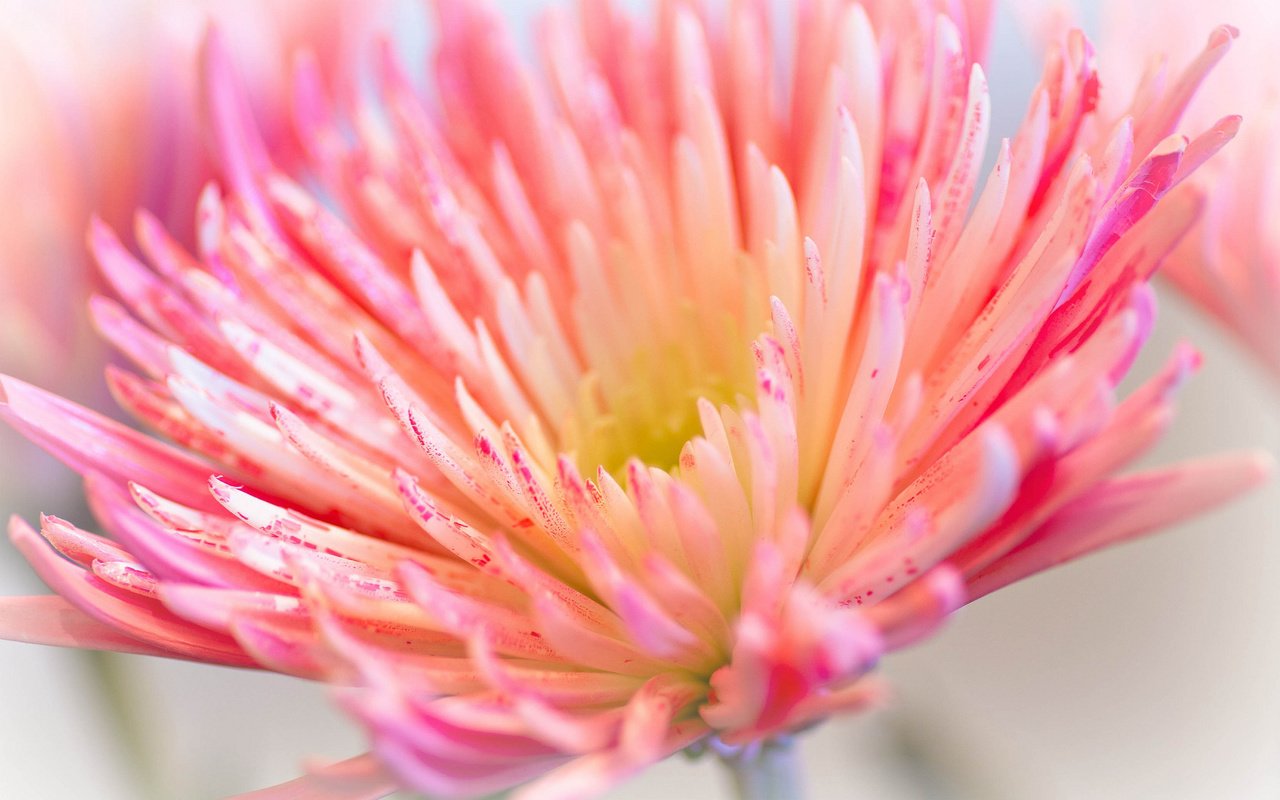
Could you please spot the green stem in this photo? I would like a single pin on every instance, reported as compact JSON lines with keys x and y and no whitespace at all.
{"x":768,"y":771}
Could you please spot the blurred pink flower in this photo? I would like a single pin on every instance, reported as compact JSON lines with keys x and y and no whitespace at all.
{"x":94,"y":81}
{"x":640,"y":405}
{"x":1230,"y":262}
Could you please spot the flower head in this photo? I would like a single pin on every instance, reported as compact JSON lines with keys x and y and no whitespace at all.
{"x":642,"y":401}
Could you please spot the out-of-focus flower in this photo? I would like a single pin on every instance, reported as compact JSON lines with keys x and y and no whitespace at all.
{"x":110,"y":122}
{"x":1230,"y":263}
{"x":644,"y":403}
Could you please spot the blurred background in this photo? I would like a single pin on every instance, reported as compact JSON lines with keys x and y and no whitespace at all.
{"x":1146,"y":671}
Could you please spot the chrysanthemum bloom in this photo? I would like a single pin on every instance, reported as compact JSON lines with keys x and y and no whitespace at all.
{"x":636,"y":404}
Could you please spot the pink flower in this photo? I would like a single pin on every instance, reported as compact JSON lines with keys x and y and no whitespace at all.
{"x":1229,"y":263}
{"x":93,"y":82}
{"x":639,"y":406}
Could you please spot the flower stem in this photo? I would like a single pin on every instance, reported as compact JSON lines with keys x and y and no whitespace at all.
{"x":769,"y":771}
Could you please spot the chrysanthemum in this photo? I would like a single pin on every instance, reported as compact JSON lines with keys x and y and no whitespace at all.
{"x":637,"y":402}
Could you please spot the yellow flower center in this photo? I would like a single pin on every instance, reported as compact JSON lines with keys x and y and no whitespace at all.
{"x":645,"y":406}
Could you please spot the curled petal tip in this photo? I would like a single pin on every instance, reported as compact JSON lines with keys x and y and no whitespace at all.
{"x":1223,"y":35}
{"x":1229,"y":125}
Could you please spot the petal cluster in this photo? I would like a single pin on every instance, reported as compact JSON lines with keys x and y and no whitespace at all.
{"x":1228,"y":263}
{"x":582,"y":413}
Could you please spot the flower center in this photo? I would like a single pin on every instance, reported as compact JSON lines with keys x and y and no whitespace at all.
{"x":645,"y":405}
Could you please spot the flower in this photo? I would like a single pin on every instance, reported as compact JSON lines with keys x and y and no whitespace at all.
{"x":94,"y":81}
{"x":1228,"y":263}
{"x":639,"y":406}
